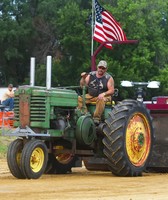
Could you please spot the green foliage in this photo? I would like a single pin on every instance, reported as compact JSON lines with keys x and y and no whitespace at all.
{"x":59,"y":28}
{"x":14,"y":44}
{"x":163,"y":75}
{"x":142,"y":20}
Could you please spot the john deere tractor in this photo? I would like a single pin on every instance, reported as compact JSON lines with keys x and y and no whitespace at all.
{"x":53,"y":136}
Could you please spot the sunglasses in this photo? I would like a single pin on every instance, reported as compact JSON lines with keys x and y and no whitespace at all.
{"x":103,"y":68}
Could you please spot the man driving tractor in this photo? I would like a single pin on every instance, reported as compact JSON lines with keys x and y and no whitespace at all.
{"x":100,"y":88}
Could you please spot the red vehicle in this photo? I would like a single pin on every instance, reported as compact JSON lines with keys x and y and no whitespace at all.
{"x":159,"y":112}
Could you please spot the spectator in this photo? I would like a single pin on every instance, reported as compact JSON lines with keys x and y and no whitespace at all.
{"x":8,"y":97}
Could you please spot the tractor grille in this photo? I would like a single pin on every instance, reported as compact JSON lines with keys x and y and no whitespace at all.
{"x":37,"y":108}
{"x":16,"y":108}
{"x":30,"y":109}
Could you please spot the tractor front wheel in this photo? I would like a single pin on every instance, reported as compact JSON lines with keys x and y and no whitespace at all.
{"x":14,"y":158}
{"x":34,"y":159}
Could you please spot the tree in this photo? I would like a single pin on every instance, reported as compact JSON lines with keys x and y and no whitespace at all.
{"x":52,"y":27}
{"x":14,"y":44}
{"x":141,"y":20}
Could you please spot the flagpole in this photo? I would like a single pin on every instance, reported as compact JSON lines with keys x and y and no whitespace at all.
{"x":92,"y":25}
{"x":93,"y":58}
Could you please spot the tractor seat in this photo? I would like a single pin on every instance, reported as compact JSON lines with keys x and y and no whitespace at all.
{"x":108,"y":103}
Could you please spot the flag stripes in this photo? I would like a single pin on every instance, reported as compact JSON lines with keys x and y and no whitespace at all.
{"x":106,"y":27}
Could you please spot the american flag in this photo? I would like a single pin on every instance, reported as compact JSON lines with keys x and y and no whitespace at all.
{"x":106,"y":27}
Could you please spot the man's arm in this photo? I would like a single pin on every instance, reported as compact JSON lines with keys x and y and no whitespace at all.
{"x":85,"y":79}
{"x":110,"y":91}
{"x":110,"y":86}
{"x":10,"y":94}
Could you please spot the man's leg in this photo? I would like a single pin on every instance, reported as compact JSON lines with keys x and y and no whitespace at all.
{"x":88,"y":99}
{"x":5,"y":102}
{"x":100,"y":104}
{"x":80,"y":102}
{"x":11,"y":104}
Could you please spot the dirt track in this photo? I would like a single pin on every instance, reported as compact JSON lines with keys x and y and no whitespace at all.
{"x":83,"y":184}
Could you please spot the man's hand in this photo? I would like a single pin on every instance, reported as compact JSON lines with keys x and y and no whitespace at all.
{"x":101,"y":96}
{"x":83,"y":81}
{"x":84,"y":75}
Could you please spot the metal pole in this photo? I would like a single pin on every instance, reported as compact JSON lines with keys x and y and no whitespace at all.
{"x":48,"y":74}
{"x":32,"y":71}
{"x":93,"y":18}
{"x":93,"y":57}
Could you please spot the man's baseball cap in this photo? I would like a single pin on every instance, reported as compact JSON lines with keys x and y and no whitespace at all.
{"x":10,"y":85}
{"x":102,"y":63}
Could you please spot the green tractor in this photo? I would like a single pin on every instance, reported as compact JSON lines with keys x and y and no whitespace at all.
{"x":53,"y":136}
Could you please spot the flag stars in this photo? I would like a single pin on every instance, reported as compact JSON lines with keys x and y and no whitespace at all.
{"x":98,"y":18}
{"x":98,"y":9}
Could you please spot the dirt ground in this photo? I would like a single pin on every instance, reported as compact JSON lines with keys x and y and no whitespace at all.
{"x":83,"y":185}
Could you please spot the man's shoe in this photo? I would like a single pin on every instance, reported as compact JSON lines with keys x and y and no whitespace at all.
{"x":96,"y":121}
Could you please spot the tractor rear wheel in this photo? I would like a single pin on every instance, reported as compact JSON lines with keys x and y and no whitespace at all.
{"x":14,"y":158}
{"x":61,"y":163}
{"x":34,"y":159}
{"x":128,"y":138}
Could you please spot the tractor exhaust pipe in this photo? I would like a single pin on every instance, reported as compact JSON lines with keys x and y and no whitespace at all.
{"x":48,"y":74}
{"x":32,"y":71}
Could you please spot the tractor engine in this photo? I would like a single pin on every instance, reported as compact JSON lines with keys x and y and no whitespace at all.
{"x":62,"y":117}
{"x":50,"y":109}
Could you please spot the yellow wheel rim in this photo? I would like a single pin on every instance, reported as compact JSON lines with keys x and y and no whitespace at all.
{"x":138,"y":139}
{"x":37,"y":159}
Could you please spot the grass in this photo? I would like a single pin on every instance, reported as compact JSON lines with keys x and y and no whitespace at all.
{"x":4,"y":143}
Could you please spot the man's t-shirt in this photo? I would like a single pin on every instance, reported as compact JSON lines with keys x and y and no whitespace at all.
{"x":7,"y":95}
{"x":96,"y":85}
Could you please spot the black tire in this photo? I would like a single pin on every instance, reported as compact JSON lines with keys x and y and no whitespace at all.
{"x":34,"y":159}
{"x":128,"y":138}
{"x":62,"y":163}
{"x":14,"y":158}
